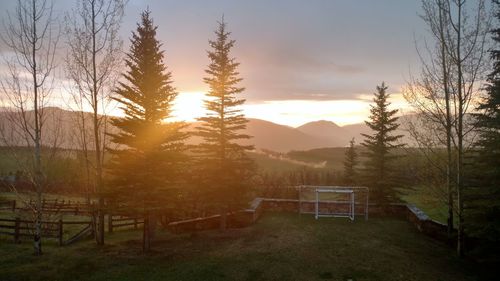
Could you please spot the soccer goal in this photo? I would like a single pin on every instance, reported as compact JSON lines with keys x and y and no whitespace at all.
{"x":333,"y":201}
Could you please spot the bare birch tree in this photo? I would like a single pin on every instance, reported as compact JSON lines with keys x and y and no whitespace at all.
{"x":31,"y":36}
{"x":93,"y":57}
{"x":448,"y":85}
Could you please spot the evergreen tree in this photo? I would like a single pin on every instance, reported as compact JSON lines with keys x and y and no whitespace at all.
{"x":224,"y":163}
{"x":149,"y":156}
{"x":350,"y":162}
{"x":483,"y":193}
{"x":378,"y":173}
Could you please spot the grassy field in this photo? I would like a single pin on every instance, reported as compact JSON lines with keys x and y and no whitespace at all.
{"x":68,"y":230}
{"x":25,"y":196}
{"x":434,"y":206}
{"x":278,"y":247}
{"x":268,"y":164}
{"x":334,"y":156}
{"x":425,"y":200}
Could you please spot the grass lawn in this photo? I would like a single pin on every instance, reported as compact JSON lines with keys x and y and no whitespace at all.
{"x":424,"y":199}
{"x":26,"y":196}
{"x":278,"y":247}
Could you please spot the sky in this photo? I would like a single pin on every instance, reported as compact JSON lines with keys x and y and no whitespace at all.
{"x":301,"y":61}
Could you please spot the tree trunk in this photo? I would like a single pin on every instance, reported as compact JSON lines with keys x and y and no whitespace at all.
{"x":37,"y":243}
{"x":450,"y":192}
{"x":223,"y":220}
{"x":152,"y":225}
{"x":460,"y":199}
{"x":460,"y":238}
{"x":98,"y":160}
{"x":100,"y":222}
{"x":445,"y":71}
{"x":146,"y":238}
{"x":37,"y":237}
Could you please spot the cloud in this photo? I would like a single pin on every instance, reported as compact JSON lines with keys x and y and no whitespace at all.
{"x":347,"y":69}
{"x":287,"y":49}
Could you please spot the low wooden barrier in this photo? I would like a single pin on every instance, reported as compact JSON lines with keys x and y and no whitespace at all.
{"x":18,"y":228}
{"x":259,"y":205}
{"x":8,"y":205}
{"x":236,"y":219}
{"x":120,"y":221}
{"x":61,"y":206}
{"x":425,"y":224}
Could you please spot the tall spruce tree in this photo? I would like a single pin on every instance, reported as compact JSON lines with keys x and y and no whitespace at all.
{"x":350,"y":162}
{"x":150,"y":154}
{"x":378,"y":172}
{"x":482,"y":213}
{"x":224,"y":163}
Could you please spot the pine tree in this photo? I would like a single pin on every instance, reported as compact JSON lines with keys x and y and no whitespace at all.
{"x":378,"y":173}
{"x":350,"y":162}
{"x":482,"y":213}
{"x":149,"y":157}
{"x":224,"y":162}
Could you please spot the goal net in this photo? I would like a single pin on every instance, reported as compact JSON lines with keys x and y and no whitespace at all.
{"x":333,"y":201}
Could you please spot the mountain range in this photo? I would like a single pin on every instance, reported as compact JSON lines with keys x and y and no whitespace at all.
{"x":265,"y":134}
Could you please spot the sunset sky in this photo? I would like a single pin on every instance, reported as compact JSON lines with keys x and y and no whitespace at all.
{"x":301,"y":60}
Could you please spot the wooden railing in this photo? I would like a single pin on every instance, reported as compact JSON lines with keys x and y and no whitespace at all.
{"x":8,"y":205}
{"x":119,"y":221}
{"x":60,"y":206}
{"x":18,"y":228}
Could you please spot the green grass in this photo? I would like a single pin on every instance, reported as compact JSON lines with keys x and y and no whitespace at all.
{"x":268,"y":164}
{"x":333,"y":155}
{"x":26,"y":196}
{"x":427,"y":201}
{"x":68,"y":230}
{"x":278,"y":247}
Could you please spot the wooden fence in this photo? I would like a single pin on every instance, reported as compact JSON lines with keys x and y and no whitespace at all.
{"x":61,"y":206}
{"x":18,"y":228}
{"x":120,"y":221}
{"x":8,"y":205}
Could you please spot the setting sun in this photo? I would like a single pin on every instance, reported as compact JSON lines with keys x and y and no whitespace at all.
{"x":188,"y":106}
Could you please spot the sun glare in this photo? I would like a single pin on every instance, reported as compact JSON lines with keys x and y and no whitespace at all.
{"x":297,"y":112}
{"x":188,"y":106}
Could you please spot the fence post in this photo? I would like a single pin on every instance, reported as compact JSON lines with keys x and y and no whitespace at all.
{"x":16,"y":230}
{"x":135,"y":223}
{"x":110,"y":223}
{"x":13,"y":205}
{"x":60,"y":232}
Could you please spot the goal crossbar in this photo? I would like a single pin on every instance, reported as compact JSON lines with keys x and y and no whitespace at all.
{"x":351,"y":212}
{"x":347,"y":190}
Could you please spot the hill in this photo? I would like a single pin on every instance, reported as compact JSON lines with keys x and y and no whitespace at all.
{"x":337,"y":136}
{"x":268,"y":135}
{"x":62,"y":128}
{"x":331,"y":133}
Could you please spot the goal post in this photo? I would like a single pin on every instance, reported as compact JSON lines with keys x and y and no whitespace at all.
{"x":333,"y":201}
{"x":340,"y":214}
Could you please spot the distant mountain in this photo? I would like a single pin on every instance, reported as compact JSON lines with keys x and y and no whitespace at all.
{"x":331,"y":133}
{"x":59,"y":127}
{"x":338,"y":136}
{"x":265,"y":134}
{"x":269,"y":135}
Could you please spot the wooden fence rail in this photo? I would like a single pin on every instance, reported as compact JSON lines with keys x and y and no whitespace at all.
{"x":24,"y":228}
{"x":117,"y":221}
{"x":8,"y":205}
{"x":60,"y":206}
